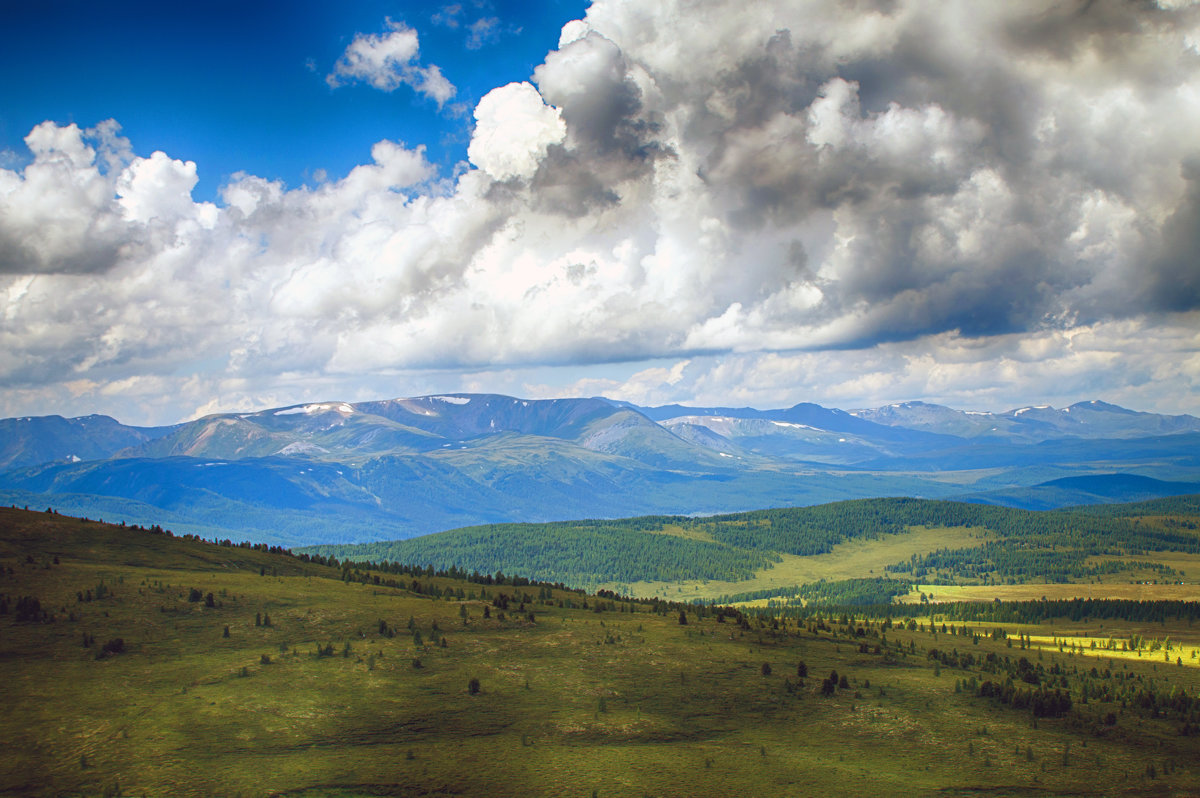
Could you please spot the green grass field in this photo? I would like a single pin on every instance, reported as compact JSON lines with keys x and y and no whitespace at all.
{"x":1140,"y":591}
{"x":853,"y":558}
{"x":614,"y":699}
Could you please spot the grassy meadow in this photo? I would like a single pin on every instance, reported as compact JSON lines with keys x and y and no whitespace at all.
{"x":351,"y":691}
{"x":306,"y":680}
{"x":1033,"y":591}
{"x":856,"y":557}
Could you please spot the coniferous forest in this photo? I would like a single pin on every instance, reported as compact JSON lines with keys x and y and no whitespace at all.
{"x":1013,"y":546}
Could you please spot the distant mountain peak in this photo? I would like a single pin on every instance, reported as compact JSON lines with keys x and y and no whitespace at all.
{"x":423,"y":463}
{"x":1098,"y":405}
{"x":1029,"y":409}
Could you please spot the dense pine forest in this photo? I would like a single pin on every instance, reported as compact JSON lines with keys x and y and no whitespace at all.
{"x":1008,"y":546}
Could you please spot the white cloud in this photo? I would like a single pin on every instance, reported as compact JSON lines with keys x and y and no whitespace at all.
{"x":58,"y":214}
{"x":513,"y":129}
{"x":388,"y":61}
{"x":1006,"y":212}
{"x":485,"y":30}
{"x":450,"y":16}
{"x":1107,"y":360}
{"x":159,"y":189}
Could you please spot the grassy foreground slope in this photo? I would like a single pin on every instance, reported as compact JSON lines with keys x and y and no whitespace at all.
{"x":300,"y":679}
{"x":731,"y":557}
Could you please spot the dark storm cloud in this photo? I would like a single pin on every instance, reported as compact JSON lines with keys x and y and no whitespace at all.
{"x":960,"y":154}
{"x":591,"y":86}
{"x":1172,"y":280}
{"x":992,"y":101}
{"x":611,"y":137}
{"x":1064,"y":30}
{"x":570,"y":185}
{"x":21,"y":255}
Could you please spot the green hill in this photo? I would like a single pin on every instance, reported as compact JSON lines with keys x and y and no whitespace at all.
{"x":919,"y":541}
{"x":136,"y":662}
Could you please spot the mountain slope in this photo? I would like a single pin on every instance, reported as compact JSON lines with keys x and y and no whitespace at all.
{"x":1084,"y":490}
{"x":805,"y":414}
{"x":338,"y":471}
{"x":1091,"y":419}
{"x":508,"y":478}
{"x":43,"y":439}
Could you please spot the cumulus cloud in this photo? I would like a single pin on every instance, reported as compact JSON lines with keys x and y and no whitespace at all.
{"x":513,"y":129}
{"x":810,"y":199}
{"x":388,"y":61}
{"x":58,"y":214}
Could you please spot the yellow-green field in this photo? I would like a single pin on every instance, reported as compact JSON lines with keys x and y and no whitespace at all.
{"x":1142,"y":591}
{"x":611,"y":699}
{"x":1188,"y":566}
{"x":853,"y":558}
{"x":1179,"y":652}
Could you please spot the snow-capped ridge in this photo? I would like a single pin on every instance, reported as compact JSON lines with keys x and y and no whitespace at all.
{"x":319,"y":407}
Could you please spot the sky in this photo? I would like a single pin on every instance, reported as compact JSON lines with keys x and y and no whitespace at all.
{"x":235,"y":206}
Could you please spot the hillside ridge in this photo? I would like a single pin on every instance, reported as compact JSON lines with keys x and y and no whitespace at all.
{"x":333,"y":471}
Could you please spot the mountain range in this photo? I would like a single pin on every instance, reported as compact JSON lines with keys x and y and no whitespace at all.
{"x":332,"y":472}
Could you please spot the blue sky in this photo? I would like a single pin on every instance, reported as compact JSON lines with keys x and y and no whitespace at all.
{"x":716,"y":203}
{"x":238,"y":86}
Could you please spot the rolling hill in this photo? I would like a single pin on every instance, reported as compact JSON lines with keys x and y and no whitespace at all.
{"x":1089,"y":489}
{"x":771,"y":552}
{"x":136,"y":662}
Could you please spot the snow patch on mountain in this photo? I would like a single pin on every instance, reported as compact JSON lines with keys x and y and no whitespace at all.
{"x":793,"y":426}
{"x":320,"y":407}
{"x":301,"y":447}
